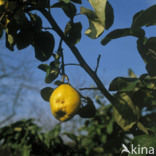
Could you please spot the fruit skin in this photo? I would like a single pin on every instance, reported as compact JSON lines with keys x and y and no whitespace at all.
{"x":64,"y":102}
{"x":2,"y":2}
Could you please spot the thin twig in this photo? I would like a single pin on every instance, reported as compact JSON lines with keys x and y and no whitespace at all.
{"x":88,"y":88}
{"x":71,"y":64}
{"x":47,"y":28}
{"x":60,"y":52}
{"x":77,"y":54}
{"x":97,"y":64}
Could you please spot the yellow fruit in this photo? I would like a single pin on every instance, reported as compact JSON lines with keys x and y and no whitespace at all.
{"x":2,"y":2}
{"x":64,"y":102}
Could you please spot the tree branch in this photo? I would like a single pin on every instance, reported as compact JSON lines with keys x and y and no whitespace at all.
{"x":89,"y":88}
{"x":72,"y":64}
{"x":97,"y":65}
{"x":77,"y":54}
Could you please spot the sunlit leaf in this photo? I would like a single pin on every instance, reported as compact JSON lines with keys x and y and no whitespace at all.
{"x":99,"y":7}
{"x":131,"y":74}
{"x":95,"y":27}
{"x":101,"y":18}
{"x":125,"y":112}
{"x":142,"y":127}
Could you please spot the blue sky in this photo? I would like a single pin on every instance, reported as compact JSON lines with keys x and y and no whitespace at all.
{"x":116,"y":57}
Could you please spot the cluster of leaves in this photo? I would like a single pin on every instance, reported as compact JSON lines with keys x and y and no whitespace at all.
{"x":135,"y":95}
{"x":25,"y":138}
{"x":133,"y":108}
{"x":100,"y":135}
{"x":108,"y":130}
{"x":23,"y":28}
{"x":146,"y":46}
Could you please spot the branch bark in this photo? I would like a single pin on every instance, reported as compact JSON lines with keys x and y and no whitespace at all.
{"x":77,"y":54}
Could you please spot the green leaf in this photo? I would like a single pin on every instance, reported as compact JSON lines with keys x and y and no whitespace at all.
{"x":1,"y":31}
{"x":99,"y":7}
{"x":87,"y":111}
{"x":36,"y":22}
{"x":150,"y":122}
{"x":24,"y":38}
{"x":95,"y":27}
{"x":68,"y":8}
{"x":43,"y":67}
{"x":122,"y":33}
{"x":125,"y":113}
{"x":44,"y":45}
{"x":52,"y":70}
{"x":58,"y":82}
{"x":77,"y":1}
{"x":11,"y":5}
{"x":25,"y":151}
{"x":52,"y":74}
{"x":147,"y":50}
{"x":99,"y":149}
{"x":145,"y":141}
{"x":20,"y":18}
{"x":11,"y":32}
{"x":131,"y":74}
{"x":73,"y":137}
{"x":109,"y":15}
{"x":142,"y":128}
{"x":97,"y":18}
{"x":65,"y":1}
{"x":145,"y":17}
{"x":149,"y":82}
{"x":145,"y":98}
{"x":46,"y":93}
{"x":124,"y":84}
{"x":55,"y":132}
{"x":109,"y":127}
{"x":151,"y":44}
{"x":42,"y":4}
{"x":10,"y":41}
{"x":73,"y":32}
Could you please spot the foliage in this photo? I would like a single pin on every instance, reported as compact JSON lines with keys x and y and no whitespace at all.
{"x":25,"y":138}
{"x":132,"y":99}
